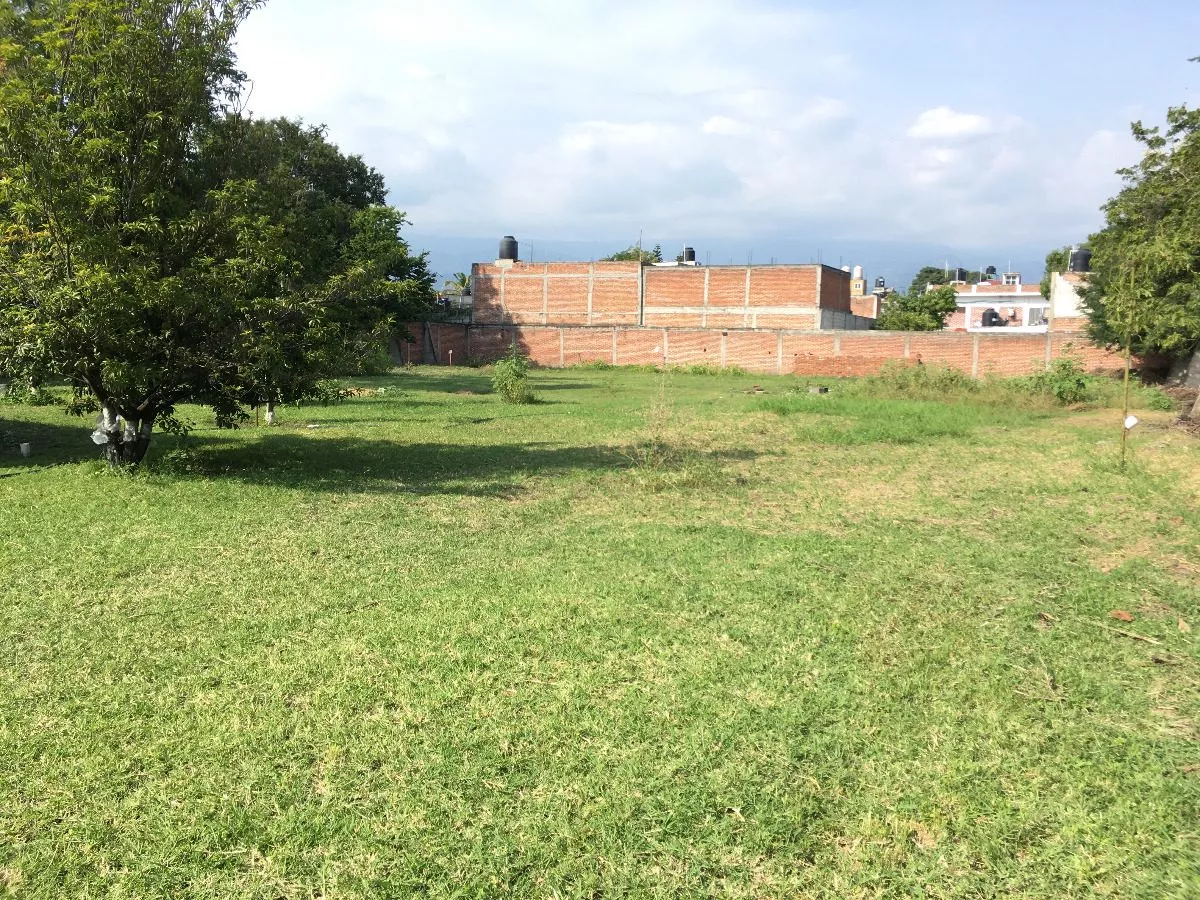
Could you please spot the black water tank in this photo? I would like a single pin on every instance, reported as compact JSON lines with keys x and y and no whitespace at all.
{"x":960,"y":274}
{"x":991,"y":318}
{"x":990,"y":271}
{"x":880,"y":283}
{"x":508,"y":247}
{"x":689,"y":255}
{"x":1081,"y":261}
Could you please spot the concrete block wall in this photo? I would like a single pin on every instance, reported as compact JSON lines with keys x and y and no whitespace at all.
{"x":775,"y":351}
{"x":841,"y":320}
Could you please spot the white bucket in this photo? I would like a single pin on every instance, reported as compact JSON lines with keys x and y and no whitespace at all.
{"x":25,"y":449}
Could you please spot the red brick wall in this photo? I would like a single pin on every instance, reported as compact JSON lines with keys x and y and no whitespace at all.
{"x":683,"y":297}
{"x":556,"y":293}
{"x":830,"y":353}
{"x":1015,"y":354}
{"x":1065,"y":324}
{"x":835,"y":289}
{"x":942,"y":348}
{"x":757,"y":351}
{"x":639,"y":347}
{"x":782,"y":286}
{"x":674,"y":297}
{"x":866,"y":306}
{"x":616,"y":293}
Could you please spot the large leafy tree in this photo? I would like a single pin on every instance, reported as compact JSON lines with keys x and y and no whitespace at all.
{"x":157,"y":248}
{"x":352,"y":274}
{"x":1144,"y":290}
{"x":924,"y":311}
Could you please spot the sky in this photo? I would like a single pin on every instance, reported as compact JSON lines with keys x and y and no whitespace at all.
{"x":888,"y":135}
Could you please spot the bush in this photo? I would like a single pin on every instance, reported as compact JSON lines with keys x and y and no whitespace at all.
{"x":327,"y":391}
{"x":510,"y":377}
{"x":22,"y":393}
{"x":1065,"y":381}
{"x":932,"y":382}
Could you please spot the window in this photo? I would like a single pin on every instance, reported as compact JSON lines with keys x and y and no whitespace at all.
{"x":1012,"y":278}
{"x":1036,"y":315}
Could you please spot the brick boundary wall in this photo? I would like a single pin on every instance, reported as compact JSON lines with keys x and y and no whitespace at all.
{"x":769,"y":351}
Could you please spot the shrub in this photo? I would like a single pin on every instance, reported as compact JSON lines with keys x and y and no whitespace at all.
{"x":1065,"y":381}
{"x":510,"y":377}
{"x":933,"y":382}
{"x":327,"y":391}
{"x":25,"y":394}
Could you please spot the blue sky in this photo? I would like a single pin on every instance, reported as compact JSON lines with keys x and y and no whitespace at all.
{"x":881,"y":134}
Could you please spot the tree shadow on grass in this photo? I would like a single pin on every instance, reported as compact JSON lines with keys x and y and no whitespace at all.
{"x":314,"y":462}
{"x":478,"y":383}
{"x":356,"y":465}
{"x":50,"y":444}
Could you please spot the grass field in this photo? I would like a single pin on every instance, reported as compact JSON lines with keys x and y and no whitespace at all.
{"x":651,"y":637}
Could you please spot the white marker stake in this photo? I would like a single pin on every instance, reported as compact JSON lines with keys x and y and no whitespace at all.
{"x":450,"y":353}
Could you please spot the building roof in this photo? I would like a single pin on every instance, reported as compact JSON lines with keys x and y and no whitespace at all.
{"x":994,"y":288}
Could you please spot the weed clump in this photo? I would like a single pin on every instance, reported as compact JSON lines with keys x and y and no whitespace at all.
{"x":922,"y":382}
{"x":510,"y":377}
{"x":1063,"y":383}
{"x":708,"y":369}
{"x":664,"y":457}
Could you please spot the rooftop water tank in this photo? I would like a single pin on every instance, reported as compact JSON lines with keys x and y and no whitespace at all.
{"x":508,"y":248}
{"x":1081,"y":261}
{"x":858,"y":272}
{"x":689,"y":255}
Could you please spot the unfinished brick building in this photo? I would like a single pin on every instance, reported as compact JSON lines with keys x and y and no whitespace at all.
{"x":805,"y":297}
{"x":772,"y":319}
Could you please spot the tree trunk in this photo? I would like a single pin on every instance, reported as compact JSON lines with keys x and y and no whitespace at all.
{"x":270,"y":412}
{"x":1196,"y":408}
{"x":125,"y":441}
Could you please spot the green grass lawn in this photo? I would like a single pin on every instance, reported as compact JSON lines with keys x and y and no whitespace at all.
{"x":651,"y":637}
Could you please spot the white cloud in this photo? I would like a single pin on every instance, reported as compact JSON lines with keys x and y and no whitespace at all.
{"x":943,"y":123}
{"x":704,"y":116}
{"x":724,"y":125}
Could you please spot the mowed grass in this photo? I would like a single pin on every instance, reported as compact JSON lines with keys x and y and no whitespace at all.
{"x":652,"y":636}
